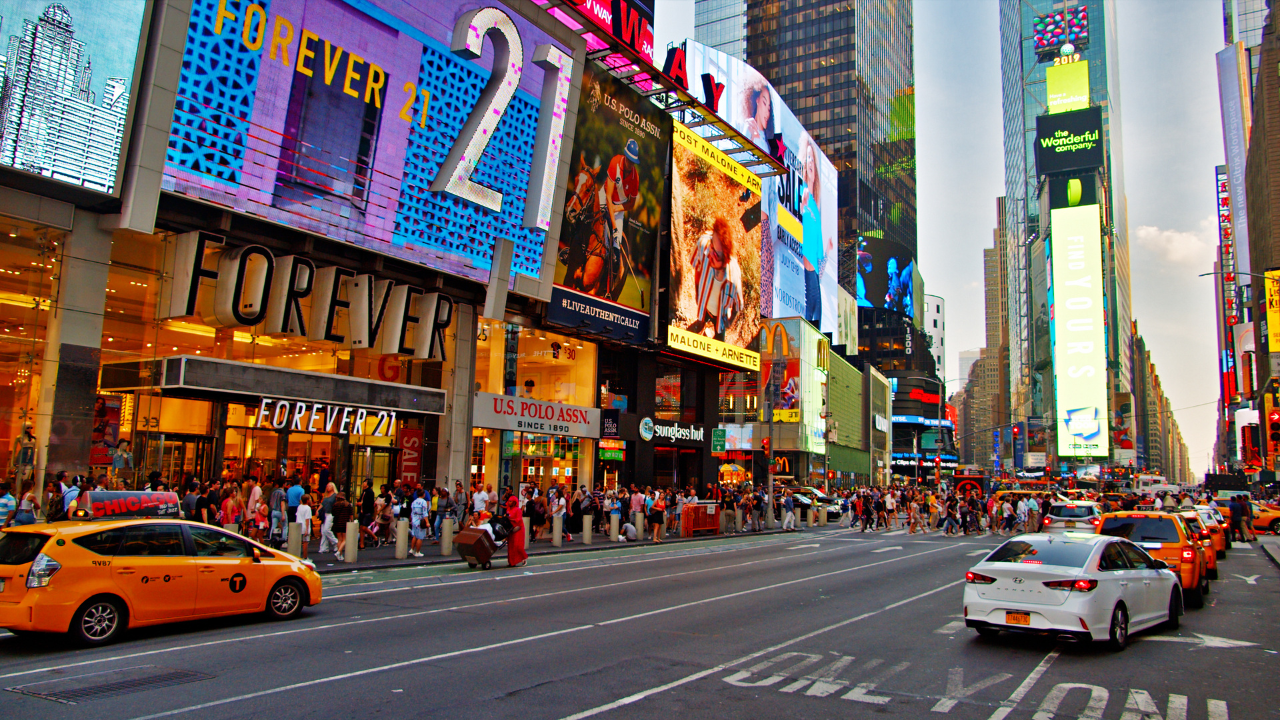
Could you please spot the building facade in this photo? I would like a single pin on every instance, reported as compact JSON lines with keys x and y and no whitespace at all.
{"x":935,"y":326}
{"x":722,"y":24}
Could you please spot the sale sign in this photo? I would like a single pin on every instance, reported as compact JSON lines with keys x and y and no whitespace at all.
{"x":506,"y":412}
{"x":409,"y":440}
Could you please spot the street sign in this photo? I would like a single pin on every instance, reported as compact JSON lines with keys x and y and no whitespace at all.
{"x":717,"y":440}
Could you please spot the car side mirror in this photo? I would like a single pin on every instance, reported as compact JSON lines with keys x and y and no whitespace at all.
{"x":257,"y":555}
{"x":1159,"y":565}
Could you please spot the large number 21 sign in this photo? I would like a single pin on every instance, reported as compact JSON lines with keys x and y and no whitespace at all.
{"x":508,"y":65}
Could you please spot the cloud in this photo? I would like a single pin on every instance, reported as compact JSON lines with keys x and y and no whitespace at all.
{"x":1178,"y":247}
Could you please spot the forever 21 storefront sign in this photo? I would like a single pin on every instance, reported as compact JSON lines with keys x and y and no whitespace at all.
{"x":309,"y":417}
{"x":504,"y":412}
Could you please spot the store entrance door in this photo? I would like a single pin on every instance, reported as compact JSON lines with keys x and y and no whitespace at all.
{"x":371,"y":463}
{"x":186,"y":454}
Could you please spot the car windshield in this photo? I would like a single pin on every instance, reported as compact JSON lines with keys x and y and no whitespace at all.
{"x":1141,"y":529}
{"x":1038,"y":551}
{"x":1071,"y":511}
{"x":20,"y":548}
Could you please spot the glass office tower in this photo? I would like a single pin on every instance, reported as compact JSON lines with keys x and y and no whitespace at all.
{"x":1023,"y":79}
{"x":721,"y":24}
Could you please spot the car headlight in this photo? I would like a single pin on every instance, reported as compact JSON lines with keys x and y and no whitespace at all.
{"x":308,"y":562}
{"x":42,"y":569}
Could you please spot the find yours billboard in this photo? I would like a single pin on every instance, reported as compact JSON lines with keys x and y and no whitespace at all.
{"x":423,"y":130}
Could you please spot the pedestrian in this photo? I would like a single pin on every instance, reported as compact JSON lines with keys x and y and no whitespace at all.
{"x":342,"y":511}
{"x":516,"y":555}
{"x":789,"y":513}
{"x":232,"y":510}
{"x":657,"y":517}
{"x":28,"y":505}
{"x":328,"y":541}
{"x":368,"y":511}
{"x":8,"y":505}
{"x":419,"y":512}
{"x":304,"y":523}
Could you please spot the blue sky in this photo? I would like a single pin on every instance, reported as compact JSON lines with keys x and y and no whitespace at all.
{"x":106,"y":27}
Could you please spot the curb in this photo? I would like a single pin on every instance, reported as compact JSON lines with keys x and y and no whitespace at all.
{"x":608,"y":545}
{"x":1272,"y":552}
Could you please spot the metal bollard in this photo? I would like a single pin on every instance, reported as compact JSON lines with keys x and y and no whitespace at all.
{"x":722,"y":519}
{"x":769,"y":519}
{"x":822,"y":517}
{"x":737,"y":519}
{"x":808,"y":513}
{"x":446,"y":537}
{"x":231,"y":527}
{"x":295,"y":539}
{"x":353,"y":541}
{"x":526,"y":531}
{"x":402,"y":538}
{"x":637,"y":519}
{"x":614,"y":526}
{"x":586,"y":531}
{"x":557,"y":531}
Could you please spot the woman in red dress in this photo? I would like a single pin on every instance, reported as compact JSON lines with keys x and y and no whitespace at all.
{"x":516,"y":555}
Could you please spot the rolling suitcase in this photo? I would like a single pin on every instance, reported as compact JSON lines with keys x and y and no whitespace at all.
{"x":476,"y":547}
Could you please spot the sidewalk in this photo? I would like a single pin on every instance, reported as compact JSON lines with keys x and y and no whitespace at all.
{"x":385,"y":557}
{"x":1270,"y":545}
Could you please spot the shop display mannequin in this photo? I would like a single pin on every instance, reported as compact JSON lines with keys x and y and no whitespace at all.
{"x":121,"y":459}
{"x":22,"y":458}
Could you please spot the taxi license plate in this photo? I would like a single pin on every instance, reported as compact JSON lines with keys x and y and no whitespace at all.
{"x":1070,"y":523}
{"x":1017,"y":618}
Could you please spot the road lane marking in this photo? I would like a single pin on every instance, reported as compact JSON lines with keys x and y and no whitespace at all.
{"x":957,"y":690}
{"x":1098,"y":697}
{"x":1218,"y":710}
{"x":517,"y":641}
{"x":887,"y":549}
{"x":950,"y":628}
{"x":1209,"y":641}
{"x":1146,"y":708}
{"x":797,"y":547}
{"x":862,"y":691}
{"x":1251,"y":579}
{"x":630,"y":699}
{"x":976,"y":553}
{"x":1021,"y":691}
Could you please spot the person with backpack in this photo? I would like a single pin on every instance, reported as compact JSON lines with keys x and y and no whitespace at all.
{"x":444,"y":509}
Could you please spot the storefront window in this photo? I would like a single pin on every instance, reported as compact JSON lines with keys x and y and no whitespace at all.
{"x":617,"y":380}
{"x":677,"y":394}
{"x":27,"y":265}
{"x":739,"y":397}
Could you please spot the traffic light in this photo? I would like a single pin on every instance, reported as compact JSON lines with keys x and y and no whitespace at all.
{"x":1273,"y":425}
{"x":1015,"y":431}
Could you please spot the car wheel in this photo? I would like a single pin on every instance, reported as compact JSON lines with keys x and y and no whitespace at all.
{"x":1119,"y":635}
{"x":987,"y":632}
{"x":1204,"y":584}
{"x":1221,"y":554}
{"x":98,"y":621}
{"x":1213,"y":573}
{"x":1175,"y":610}
{"x":1193,"y":598}
{"x":1228,"y":542}
{"x":285,"y":600}
{"x":1275,"y":527}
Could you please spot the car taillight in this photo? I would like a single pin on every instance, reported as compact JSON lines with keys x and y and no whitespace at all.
{"x":1205,"y":536}
{"x":1188,"y":554}
{"x":1048,"y":520}
{"x":1096,"y":521}
{"x":978,"y":578}
{"x":1077,"y":585}
{"x":42,"y":568}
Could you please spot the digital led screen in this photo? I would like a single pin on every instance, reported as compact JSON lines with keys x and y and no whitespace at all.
{"x":799,"y":264}
{"x":1079,"y":333}
{"x":68,"y":82}
{"x":847,"y":322}
{"x":630,"y":21}
{"x":715,"y":247}
{"x":1053,"y":30}
{"x":382,"y":123}
{"x":886,"y":277}
{"x":1069,"y":141}
{"x":612,"y":210}
{"x":1067,"y":86}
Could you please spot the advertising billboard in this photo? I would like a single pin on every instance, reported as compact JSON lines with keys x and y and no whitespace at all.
{"x":793,"y":371}
{"x":1053,"y":30}
{"x":1069,"y":141}
{"x":886,"y":275}
{"x":612,"y":210}
{"x":1079,"y":332}
{"x":1236,"y":102}
{"x":846,"y":332}
{"x":69,"y":77}
{"x":798,"y":270}
{"x":715,"y":250}
{"x":1066,"y":85}
{"x":630,"y":21}
{"x":421,"y":130}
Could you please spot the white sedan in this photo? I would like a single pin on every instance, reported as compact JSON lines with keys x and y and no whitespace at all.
{"x":1074,"y":586}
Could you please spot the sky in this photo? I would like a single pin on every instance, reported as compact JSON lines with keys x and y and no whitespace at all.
{"x":1172,"y":139}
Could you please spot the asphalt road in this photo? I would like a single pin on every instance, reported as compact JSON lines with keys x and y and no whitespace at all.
{"x":820,"y":624}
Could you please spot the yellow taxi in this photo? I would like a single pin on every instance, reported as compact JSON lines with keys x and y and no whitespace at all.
{"x":1165,"y":536}
{"x":94,"y":577}
{"x":1198,"y":530}
{"x":1213,"y":521}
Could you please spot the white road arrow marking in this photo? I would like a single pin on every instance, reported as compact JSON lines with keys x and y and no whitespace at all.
{"x":887,"y":549}
{"x":1209,"y":641}
{"x":976,"y":553}
{"x":799,"y":547}
{"x":1251,"y":579}
{"x":1141,"y":706}
{"x":950,"y":628}
{"x":862,"y":693}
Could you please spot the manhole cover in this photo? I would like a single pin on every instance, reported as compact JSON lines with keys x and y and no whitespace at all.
{"x":78,"y":689}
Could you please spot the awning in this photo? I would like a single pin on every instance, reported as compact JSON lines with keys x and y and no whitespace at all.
{"x":234,"y":381}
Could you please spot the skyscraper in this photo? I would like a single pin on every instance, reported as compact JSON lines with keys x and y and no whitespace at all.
{"x":722,"y":24}
{"x":50,"y":122}
{"x":1025,"y":58}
